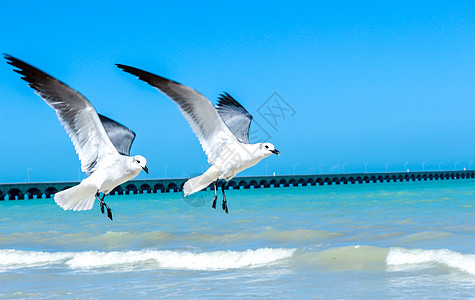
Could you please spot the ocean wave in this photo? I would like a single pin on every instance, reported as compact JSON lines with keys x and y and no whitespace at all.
{"x":349,"y":258}
{"x":456,"y":260}
{"x":356,"y":258}
{"x":371,"y":258}
{"x":180,"y":260}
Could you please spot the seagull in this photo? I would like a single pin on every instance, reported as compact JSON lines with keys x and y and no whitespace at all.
{"x":223,"y":132}
{"x":103,"y":145}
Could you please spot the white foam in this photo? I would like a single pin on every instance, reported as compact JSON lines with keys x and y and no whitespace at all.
{"x":463,"y":262}
{"x":184,"y":260}
{"x":13,"y":259}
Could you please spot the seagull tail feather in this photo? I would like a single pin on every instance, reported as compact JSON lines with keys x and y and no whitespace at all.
{"x":79,"y":197}
{"x":198,"y":183}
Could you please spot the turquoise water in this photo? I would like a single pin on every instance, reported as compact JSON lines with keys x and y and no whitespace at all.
{"x":386,"y":240}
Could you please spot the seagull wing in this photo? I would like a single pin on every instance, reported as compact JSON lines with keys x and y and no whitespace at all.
{"x":76,"y":114}
{"x":203,"y":118}
{"x":236,"y":117}
{"x":120,"y":136}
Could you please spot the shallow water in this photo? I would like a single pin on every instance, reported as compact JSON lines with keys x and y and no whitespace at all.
{"x":397,"y":240}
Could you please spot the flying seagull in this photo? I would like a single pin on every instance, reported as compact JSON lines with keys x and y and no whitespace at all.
{"x":102,"y":144}
{"x":222,"y":131}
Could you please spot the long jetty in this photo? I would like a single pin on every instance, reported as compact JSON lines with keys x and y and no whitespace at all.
{"x":19,"y":191}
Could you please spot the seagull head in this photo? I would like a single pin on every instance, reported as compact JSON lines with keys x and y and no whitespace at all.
{"x":268,"y":149}
{"x":140,"y":163}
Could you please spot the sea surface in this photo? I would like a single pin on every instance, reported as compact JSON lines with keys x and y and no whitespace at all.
{"x":407,"y":240}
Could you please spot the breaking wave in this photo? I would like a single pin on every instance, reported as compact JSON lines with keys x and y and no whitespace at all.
{"x":452,"y":259}
{"x":181,"y":260}
{"x":363,"y":258}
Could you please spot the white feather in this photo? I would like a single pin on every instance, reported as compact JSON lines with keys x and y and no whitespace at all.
{"x":79,"y":197}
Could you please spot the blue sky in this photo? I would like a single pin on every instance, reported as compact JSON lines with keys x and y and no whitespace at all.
{"x":369,"y":83}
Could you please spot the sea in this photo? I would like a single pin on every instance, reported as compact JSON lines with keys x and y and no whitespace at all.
{"x":397,"y":240}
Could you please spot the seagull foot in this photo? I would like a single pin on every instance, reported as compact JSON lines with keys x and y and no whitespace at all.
{"x":225,"y":205}
{"x":214,"y":202}
{"x":109,"y":213}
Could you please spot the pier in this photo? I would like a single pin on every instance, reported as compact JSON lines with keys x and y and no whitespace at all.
{"x":20,"y":191}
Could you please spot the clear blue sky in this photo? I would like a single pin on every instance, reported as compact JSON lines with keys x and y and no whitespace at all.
{"x":370,"y":83}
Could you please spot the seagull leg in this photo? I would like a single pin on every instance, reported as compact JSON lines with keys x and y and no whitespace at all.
{"x":215,"y":194}
{"x":101,"y":202}
{"x":225,"y":203}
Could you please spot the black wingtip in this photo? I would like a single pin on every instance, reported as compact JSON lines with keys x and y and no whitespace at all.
{"x":8,"y":56}
{"x":121,"y":66}
{"x":29,"y":73}
{"x":11,"y":60}
{"x":17,"y":63}
{"x":130,"y":69}
{"x":226,"y":99}
{"x":152,"y":79}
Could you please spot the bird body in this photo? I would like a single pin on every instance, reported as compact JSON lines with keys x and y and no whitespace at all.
{"x":232,"y":160}
{"x":111,"y":173}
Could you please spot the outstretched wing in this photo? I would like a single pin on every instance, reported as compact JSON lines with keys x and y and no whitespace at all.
{"x":203,"y":118}
{"x":236,"y":117}
{"x":120,"y":136}
{"x":76,"y":114}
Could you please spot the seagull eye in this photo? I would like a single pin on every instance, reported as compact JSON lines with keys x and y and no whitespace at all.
{"x":267,"y":147}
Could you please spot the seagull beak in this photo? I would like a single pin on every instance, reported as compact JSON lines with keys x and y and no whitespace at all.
{"x":275,"y":151}
{"x":145,"y":169}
